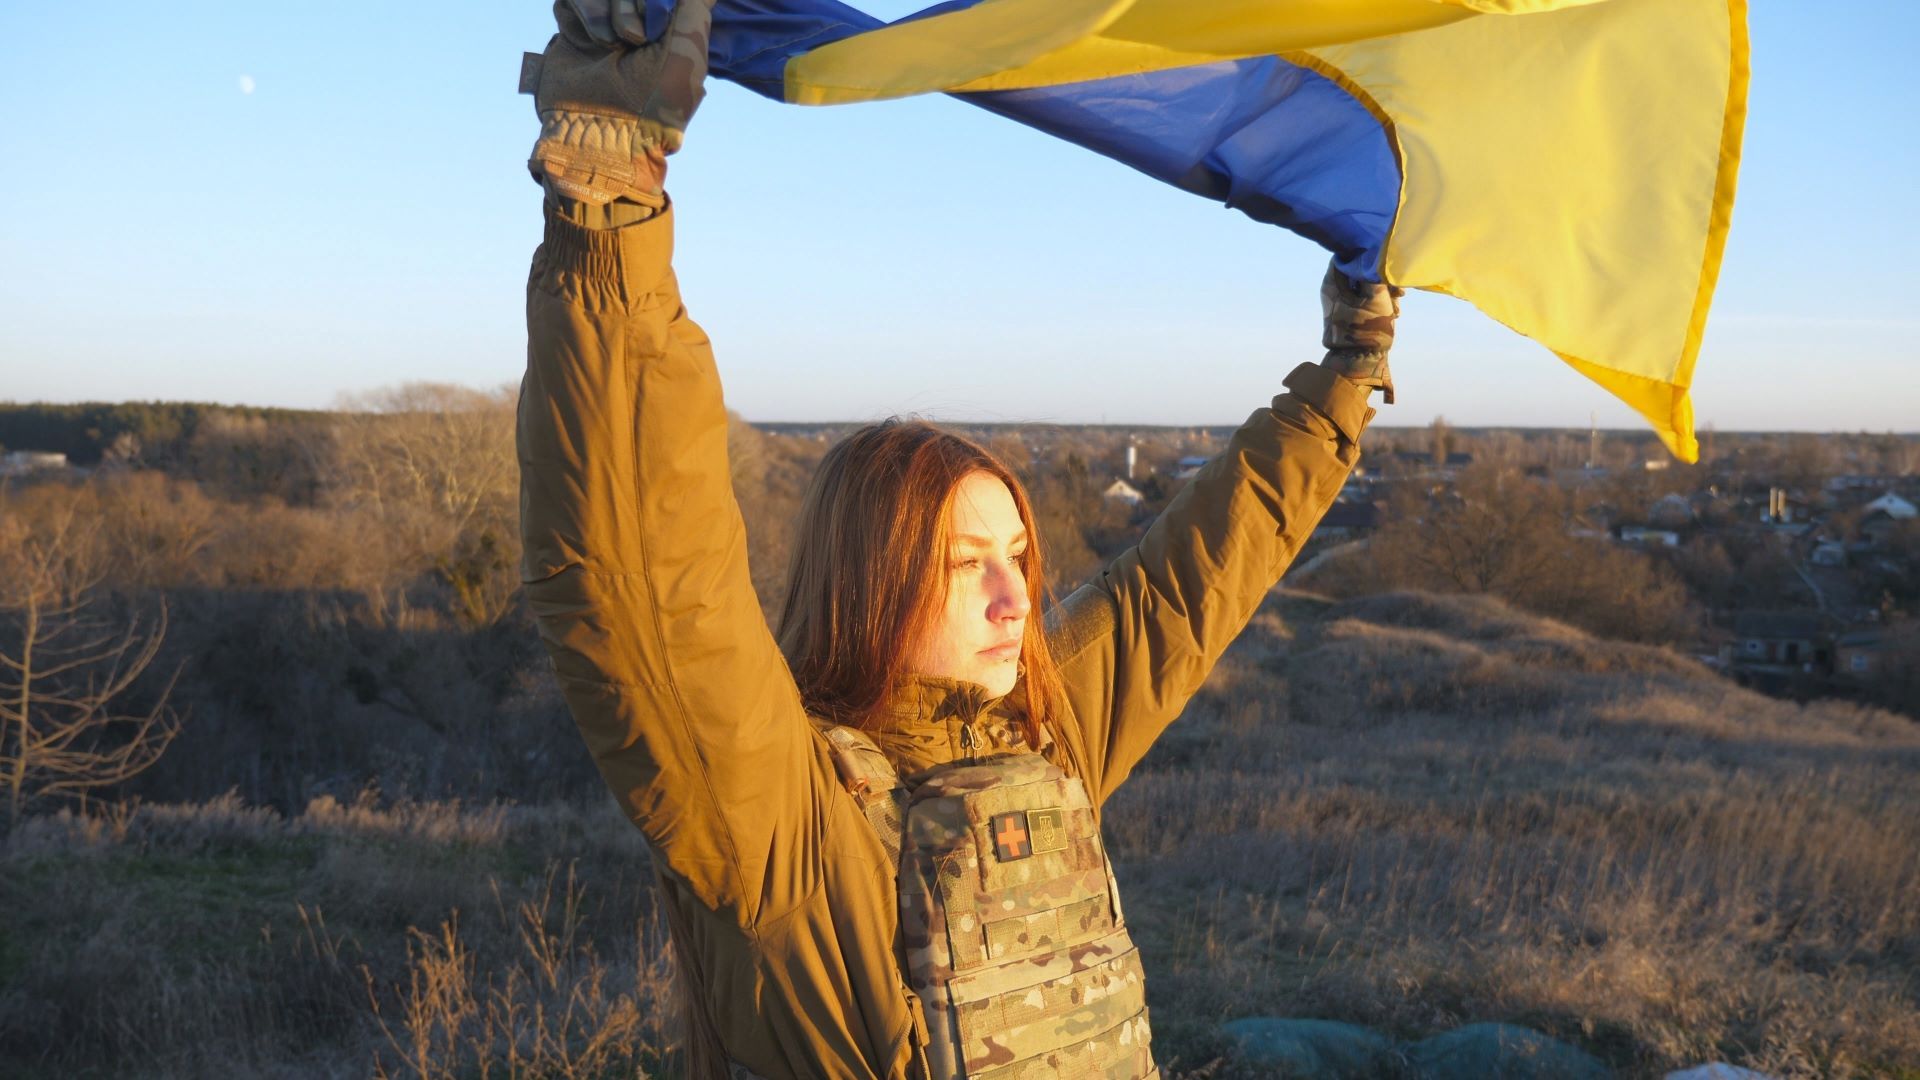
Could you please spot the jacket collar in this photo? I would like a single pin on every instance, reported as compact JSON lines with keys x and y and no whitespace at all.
{"x":931,"y":721}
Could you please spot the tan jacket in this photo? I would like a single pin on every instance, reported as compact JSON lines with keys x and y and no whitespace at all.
{"x":636,"y":567}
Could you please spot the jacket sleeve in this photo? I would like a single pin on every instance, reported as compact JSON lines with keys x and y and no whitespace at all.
{"x":1136,"y":642}
{"x":636,"y":570}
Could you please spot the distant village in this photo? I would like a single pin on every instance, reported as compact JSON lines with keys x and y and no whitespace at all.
{"x":1842,"y":512}
{"x":1838,"y":533}
{"x":1837,"y":516}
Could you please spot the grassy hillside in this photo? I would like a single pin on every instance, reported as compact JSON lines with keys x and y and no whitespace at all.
{"x":1412,"y":812}
{"x":1405,"y":811}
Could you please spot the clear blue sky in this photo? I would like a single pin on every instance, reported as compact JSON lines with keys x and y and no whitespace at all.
{"x":274,"y":203}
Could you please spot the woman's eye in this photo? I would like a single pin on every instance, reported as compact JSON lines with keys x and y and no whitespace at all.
{"x":966,"y":562}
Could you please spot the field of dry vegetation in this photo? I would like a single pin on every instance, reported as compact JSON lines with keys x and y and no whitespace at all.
{"x":1415,"y":811}
{"x":1407,"y":811}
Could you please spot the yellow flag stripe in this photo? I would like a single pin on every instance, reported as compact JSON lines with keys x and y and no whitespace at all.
{"x":1577,"y":188}
{"x":1568,"y":166}
{"x":1021,"y":44}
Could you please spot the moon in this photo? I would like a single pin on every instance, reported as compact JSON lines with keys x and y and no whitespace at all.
{"x":246,"y":84}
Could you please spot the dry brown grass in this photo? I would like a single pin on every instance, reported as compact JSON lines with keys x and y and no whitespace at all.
{"x":415,"y":940}
{"x":561,"y":1010}
{"x":1462,"y":813}
{"x":1406,"y":811}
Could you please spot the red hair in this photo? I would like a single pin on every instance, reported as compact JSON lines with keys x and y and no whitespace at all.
{"x":871,"y":567}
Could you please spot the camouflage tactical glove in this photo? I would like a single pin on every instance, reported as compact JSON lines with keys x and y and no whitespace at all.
{"x":613,"y":21}
{"x":1359,"y":329}
{"x":610,"y":111}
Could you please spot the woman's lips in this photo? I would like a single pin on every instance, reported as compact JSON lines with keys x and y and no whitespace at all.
{"x":1006,"y":650}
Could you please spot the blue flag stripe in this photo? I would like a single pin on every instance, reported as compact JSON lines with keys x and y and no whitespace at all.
{"x":1277,"y":141}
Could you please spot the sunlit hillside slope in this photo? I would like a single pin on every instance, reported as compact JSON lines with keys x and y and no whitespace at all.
{"x":1406,"y":811}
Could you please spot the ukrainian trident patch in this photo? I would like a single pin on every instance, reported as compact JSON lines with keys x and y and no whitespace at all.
{"x":1047,"y":829}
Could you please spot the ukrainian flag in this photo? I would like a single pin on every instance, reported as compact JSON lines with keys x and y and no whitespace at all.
{"x":1567,"y":166}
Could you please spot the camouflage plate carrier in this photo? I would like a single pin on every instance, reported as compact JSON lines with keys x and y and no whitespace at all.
{"x":1010,"y":921}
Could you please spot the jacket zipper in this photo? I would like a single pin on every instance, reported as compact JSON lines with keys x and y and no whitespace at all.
{"x":968,"y":741}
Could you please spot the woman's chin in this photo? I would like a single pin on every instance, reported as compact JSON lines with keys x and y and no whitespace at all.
{"x":999,"y":679}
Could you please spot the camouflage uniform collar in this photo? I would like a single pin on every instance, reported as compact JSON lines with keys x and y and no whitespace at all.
{"x":932,"y":720}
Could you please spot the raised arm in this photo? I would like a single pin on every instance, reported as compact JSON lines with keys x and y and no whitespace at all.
{"x":635,"y":556}
{"x":1135,"y":643}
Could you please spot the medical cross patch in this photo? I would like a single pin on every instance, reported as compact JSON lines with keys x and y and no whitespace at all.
{"x":1010,"y":838}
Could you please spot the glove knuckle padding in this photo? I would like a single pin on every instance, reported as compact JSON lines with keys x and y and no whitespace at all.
{"x":610,"y":110}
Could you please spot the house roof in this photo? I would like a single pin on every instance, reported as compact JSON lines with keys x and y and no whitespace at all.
{"x":1356,"y":514}
{"x":1863,"y":638}
{"x":1893,"y":506}
{"x":1781,"y":624}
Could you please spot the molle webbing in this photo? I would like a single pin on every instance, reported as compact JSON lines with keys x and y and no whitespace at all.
{"x":1012,"y":935}
{"x":874,"y":785}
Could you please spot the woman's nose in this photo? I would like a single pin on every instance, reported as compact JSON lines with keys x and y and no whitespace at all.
{"x":1009,"y":596}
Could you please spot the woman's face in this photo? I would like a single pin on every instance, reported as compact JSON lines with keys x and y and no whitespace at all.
{"x":977,"y":633}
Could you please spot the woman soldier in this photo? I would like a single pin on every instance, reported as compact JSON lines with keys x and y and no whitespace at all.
{"x":877,"y":838}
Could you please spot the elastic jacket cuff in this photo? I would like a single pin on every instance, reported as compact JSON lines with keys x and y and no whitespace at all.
{"x":633,"y":257}
{"x":1341,"y":401}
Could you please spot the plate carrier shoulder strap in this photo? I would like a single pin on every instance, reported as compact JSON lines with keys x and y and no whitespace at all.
{"x":874,"y":784}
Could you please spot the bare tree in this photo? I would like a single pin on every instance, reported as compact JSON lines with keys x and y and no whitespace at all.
{"x":1499,"y":532}
{"x":155,"y":527}
{"x":446,"y":450}
{"x":65,"y":664}
{"x":434,"y":464}
{"x":1495,"y":532}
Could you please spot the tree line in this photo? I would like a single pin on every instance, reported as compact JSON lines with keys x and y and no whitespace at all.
{"x":289,"y":604}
